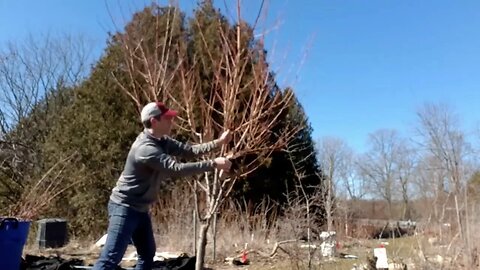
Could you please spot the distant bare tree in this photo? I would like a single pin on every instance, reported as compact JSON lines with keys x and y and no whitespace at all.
{"x":33,"y":69}
{"x":406,"y":162}
{"x":430,"y":185}
{"x":334,"y":156}
{"x":442,"y":138}
{"x":354,"y":186}
{"x":379,"y":166}
{"x":31,"y":72}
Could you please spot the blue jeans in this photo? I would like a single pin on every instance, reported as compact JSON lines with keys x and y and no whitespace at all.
{"x":126,"y":224}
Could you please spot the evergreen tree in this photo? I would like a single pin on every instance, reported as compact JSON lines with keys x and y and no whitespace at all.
{"x":100,"y":126}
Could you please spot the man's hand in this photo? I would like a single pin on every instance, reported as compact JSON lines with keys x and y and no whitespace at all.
{"x":222,"y":163}
{"x":225,"y":138}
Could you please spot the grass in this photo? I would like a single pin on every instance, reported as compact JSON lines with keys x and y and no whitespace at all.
{"x":296,"y":259}
{"x":237,"y":230}
{"x":398,"y":250}
{"x":405,"y":249}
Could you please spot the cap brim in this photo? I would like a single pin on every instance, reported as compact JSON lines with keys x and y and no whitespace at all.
{"x":170,"y":113}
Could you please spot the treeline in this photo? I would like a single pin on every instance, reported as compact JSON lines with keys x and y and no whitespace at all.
{"x":433,"y":174}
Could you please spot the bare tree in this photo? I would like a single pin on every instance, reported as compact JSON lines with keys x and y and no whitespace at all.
{"x":351,"y":189}
{"x":305,"y":205}
{"x":379,"y":166}
{"x":35,"y":68}
{"x":406,"y":163}
{"x":334,"y":156}
{"x":352,"y":184}
{"x":429,"y":186}
{"x":160,"y":68}
{"x":389,"y":166}
{"x":443,"y":139}
{"x":32,"y":72}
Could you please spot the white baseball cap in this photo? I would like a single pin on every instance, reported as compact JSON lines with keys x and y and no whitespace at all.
{"x":154,"y":109}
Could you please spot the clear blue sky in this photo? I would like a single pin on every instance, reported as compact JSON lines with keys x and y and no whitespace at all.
{"x":368,"y":65}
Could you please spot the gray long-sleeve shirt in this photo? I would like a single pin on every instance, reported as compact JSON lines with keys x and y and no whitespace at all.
{"x":150,"y":162}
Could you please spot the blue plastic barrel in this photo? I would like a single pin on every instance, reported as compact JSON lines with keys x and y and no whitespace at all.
{"x":13,"y":235}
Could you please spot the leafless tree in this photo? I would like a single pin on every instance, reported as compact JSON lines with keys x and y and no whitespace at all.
{"x":442,"y":138}
{"x":429,"y":183}
{"x":389,"y":166}
{"x":379,"y":165}
{"x":304,"y":206}
{"x":334,"y":157}
{"x":352,"y":184}
{"x":32,"y":71}
{"x":246,"y":104}
{"x":406,"y":162}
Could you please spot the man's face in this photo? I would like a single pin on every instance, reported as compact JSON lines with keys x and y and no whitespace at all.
{"x":163,"y":125}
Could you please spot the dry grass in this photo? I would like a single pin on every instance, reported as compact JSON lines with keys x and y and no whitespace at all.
{"x":237,"y":230}
{"x":412,"y":250}
{"x":433,"y":247}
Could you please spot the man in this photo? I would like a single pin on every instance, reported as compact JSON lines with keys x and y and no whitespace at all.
{"x":148,"y":163}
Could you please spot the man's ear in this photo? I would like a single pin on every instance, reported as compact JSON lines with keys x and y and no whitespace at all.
{"x":152,"y":120}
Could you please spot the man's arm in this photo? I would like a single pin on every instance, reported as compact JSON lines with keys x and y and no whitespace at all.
{"x":157,"y":160}
{"x":176,"y":148}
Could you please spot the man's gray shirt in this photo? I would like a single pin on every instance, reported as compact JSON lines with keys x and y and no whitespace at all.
{"x":149,"y":163}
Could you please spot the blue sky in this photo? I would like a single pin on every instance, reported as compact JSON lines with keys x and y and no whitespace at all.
{"x":357,"y":66}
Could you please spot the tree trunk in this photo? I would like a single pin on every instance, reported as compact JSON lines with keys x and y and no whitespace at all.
{"x":406,"y":210}
{"x":329,"y":217}
{"x":329,"y":206}
{"x":390,"y":208}
{"x":202,"y":245}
